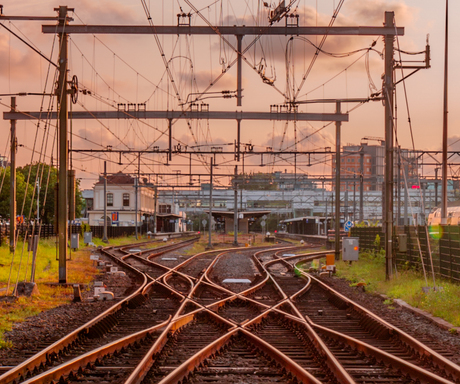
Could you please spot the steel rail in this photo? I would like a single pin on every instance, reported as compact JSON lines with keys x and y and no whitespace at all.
{"x":421,"y":348}
{"x":144,"y":366}
{"x":415,"y":371}
{"x":194,"y":361}
{"x":179,"y":321}
{"x":64,"y":369}
{"x":43,"y":356}
{"x":331,"y":361}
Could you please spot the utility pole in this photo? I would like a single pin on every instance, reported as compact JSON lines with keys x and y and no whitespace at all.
{"x":337,"y":182}
{"x":38,"y":199}
{"x":398,"y":184}
{"x":14,"y":145}
{"x":445,"y":123}
{"x":136,"y":188}
{"x":104,"y":236}
{"x":354,"y":201}
{"x":389,"y":139}
{"x":210,"y":206}
{"x":63,"y":146}
{"x":155,"y":210}
{"x":235,"y":208}
{"x":361,"y":185}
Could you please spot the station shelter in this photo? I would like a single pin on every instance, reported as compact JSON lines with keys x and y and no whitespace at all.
{"x":225,"y":219}
{"x":308,"y":225}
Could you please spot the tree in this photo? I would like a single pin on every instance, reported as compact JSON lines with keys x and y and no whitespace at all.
{"x":20,"y":192}
{"x":26,"y":178}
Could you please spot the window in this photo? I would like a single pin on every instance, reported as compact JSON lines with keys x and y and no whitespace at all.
{"x":125,"y":199}
{"x":109,"y":199}
{"x":163,"y":208}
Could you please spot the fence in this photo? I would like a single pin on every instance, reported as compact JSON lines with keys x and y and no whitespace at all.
{"x":367,"y":236}
{"x":444,"y":241}
{"x":47,"y":231}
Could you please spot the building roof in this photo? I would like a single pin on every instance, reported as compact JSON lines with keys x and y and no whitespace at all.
{"x":87,"y":193}
{"x":306,"y":218}
{"x":244,"y":213}
{"x":119,"y":178}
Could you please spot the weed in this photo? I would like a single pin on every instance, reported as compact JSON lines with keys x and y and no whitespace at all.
{"x":407,"y":285}
{"x":79,"y":269}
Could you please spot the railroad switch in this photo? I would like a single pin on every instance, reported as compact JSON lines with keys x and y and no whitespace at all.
{"x":76,"y":293}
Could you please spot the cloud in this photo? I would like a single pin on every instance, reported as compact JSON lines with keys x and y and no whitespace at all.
{"x":104,"y":12}
{"x":17,"y":63}
{"x":372,"y":12}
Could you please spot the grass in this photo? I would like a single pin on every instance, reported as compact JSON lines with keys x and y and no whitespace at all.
{"x":406,"y":284}
{"x":79,"y":270}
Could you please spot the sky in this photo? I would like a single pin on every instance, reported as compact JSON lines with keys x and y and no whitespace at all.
{"x":129,"y":69}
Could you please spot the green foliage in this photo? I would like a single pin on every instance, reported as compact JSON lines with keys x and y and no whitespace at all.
{"x":26,"y":179}
{"x":377,"y":242}
{"x":20,"y":192}
{"x":406,"y":285}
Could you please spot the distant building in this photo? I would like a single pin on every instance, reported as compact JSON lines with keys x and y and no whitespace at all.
{"x":275,"y":181}
{"x":4,"y":162}
{"x":88,"y":197}
{"x":121,"y":206}
{"x":365,"y":164}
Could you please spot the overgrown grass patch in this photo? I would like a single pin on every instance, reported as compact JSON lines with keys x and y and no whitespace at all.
{"x":80,"y":269}
{"x":406,"y":285}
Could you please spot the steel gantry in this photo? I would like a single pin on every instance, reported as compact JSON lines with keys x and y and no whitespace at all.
{"x":63,"y":29}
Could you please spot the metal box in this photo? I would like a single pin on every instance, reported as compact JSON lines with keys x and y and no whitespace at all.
{"x":350,"y":248}
{"x":402,"y":242}
{"x":74,"y":240}
{"x":88,"y":237}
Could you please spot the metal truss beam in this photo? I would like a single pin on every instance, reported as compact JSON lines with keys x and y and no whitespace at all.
{"x":223,"y":30}
{"x":176,"y":115}
{"x":185,"y":152}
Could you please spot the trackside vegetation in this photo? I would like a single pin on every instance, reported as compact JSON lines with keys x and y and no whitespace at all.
{"x":407,"y":284}
{"x":79,"y":270}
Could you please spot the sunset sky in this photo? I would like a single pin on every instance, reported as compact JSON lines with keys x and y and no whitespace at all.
{"x":129,"y":69}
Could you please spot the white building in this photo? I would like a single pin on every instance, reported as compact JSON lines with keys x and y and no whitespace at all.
{"x":121,"y":206}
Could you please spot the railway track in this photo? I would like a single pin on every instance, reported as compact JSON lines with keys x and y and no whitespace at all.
{"x":187,"y":321}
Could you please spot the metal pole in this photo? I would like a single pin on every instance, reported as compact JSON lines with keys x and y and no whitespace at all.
{"x":436,"y":187}
{"x":398,"y":215}
{"x":38,"y":199}
{"x":406,"y":199}
{"x":104,"y":236}
{"x":136,"y":181}
{"x":241,"y":189}
{"x":72,"y":188}
{"x":155,"y":211}
{"x":235,"y":208}
{"x":13,"y":180}
{"x":63,"y":149}
{"x":337,"y":183}
{"x":170,"y":139}
{"x":361,"y":185}
{"x":389,"y":138}
{"x":445,"y":123}
{"x":238,"y":140}
{"x":210,"y":206}
{"x":354,"y":201}
{"x":239,"y":39}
